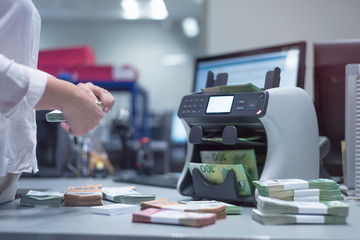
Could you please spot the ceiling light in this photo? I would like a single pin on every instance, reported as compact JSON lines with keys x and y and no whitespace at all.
{"x":158,"y":9}
{"x":131,"y":9}
{"x":190,"y":27}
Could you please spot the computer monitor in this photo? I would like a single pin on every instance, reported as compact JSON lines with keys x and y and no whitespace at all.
{"x":177,"y":139}
{"x":251,"y":66}
{"x":330,"y":59}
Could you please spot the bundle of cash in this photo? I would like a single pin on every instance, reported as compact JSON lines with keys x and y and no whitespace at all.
{"x":245,"y":157}
{"x":114,"y":209}
{"x":126,"y":195}
{"x":232,"y":88}
{"x":275,"y":211}
{"x":57,"y":116}
{"x":271,"y":205}
{"x":230,"y":208}
{"x":42,"y":198}
{"x":165,"y":204}
{"x":299,"y":190}
{"x":216,"y":173}
{"x":156,"y":215}
{"x":274,"y":219}
{"x":84,"y":196}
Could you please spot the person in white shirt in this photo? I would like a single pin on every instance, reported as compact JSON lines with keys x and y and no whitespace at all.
{"x":24,"y":89}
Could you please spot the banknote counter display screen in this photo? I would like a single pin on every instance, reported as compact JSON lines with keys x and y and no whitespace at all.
{"x":220,"y":104}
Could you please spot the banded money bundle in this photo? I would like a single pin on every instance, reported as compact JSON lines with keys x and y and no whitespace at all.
{"x":84,"y":196}
{"x":42,"y":198}
{"x":230,"y":208}
{"x":272,"y":211}
{"x":299,"y":190}
{"x":114,"y":209}
{"x":126,"y":195}
{"x":165,"y":204}
{"x":156,"y":215}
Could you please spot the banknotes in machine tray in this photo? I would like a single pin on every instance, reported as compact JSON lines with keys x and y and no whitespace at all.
{"x":114,"y":209}
{"x":266,"y":186}
{"x":275,"y":219}
{"x":216,"y":173}
{"x":272,"y":205}
{"x":126,"y":195}
{"x":157,"y":215}
{"x":246,"y":157}
{"x":230,"y":208}
{"x":90,"y":195}
{"x":163,"y":203}
{"x":42,"y":198}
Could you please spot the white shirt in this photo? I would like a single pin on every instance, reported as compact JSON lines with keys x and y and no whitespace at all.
{"x":21,"y":85}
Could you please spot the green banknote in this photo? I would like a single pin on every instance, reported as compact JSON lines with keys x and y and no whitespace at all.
{"x":245,"y":157}
{"x":57,"y":116}
{"x":216,"y":173}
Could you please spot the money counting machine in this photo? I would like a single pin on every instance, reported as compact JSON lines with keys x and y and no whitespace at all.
{"x":283,"y":119}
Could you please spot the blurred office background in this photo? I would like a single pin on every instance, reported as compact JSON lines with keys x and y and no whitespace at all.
{"x":163,"y":53}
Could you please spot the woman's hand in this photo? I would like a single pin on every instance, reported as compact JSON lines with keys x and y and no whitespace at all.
{"x":98,"y":94}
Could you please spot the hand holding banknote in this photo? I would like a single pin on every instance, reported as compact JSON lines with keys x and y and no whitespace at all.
{"x":78,"y":104}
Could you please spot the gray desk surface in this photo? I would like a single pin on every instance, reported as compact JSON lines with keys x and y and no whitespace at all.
{"x":78,"y":223}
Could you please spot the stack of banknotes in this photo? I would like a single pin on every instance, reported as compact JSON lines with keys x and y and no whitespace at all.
{"x":299,"y":190}
{"x":157,"y":215}
{"x":126,"y":195}
{"x":165,"y":204}
{"x":114,"y":209}
{"x":272,"y":211}
{"x":215,"y":166}
{"x":230,"y":208}
{"x":90,"y":195}
{"x":42,"y":198}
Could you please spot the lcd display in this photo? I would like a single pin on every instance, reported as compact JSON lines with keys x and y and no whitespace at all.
{"x":251,"y":66}
{"x":220,"y":104}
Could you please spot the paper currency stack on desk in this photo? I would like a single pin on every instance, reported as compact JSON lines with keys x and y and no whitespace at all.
{"x":271,"y":211}
{"x":299,"y":190}
{"x":290,"y":201}
{"x":165,"y":204}
{"x":84,"y":196}
{"x":114,"y":209}
{"x":157,"y":215}
{"x":42,"y":198}
{"x":126,"y":195}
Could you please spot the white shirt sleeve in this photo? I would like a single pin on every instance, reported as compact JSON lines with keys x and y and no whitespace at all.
{"x":21,"y":88}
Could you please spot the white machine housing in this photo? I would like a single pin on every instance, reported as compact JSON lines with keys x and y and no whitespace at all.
{"x":291,"y":130}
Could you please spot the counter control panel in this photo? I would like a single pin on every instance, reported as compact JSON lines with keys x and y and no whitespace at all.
{"x":249,"y":104}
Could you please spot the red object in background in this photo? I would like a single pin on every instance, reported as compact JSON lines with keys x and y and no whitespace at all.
{"x":104,"y":73}
{"x":67,"y":57}
{"x":79,"y":63}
